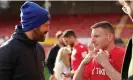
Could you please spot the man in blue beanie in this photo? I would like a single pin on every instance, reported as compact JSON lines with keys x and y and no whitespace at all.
{"x":22,"y":57}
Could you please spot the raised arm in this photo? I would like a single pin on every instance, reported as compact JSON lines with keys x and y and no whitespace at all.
{"x":103,"y":59}
{"x":79,"y":72}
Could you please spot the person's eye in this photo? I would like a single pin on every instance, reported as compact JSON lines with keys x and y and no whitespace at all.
{"x":97,"y":36}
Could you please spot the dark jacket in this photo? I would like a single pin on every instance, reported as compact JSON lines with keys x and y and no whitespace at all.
{"x":52,"y":57}
{"x":21,"y":58}
{"x":127,"y":62}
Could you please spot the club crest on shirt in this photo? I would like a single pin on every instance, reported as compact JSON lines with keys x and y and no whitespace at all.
{"x":84,"y":54}
{"x":81,"y":46}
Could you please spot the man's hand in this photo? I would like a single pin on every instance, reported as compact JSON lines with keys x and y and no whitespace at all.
{"x":102,"y":57}
{"x":89,"y":56}
{"x":70,"y":74}
{"x":91,"y":47}
{"x":92,"y":52}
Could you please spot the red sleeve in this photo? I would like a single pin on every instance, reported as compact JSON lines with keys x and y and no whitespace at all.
{"x":87,"y":71}
{"x":117,"y":61}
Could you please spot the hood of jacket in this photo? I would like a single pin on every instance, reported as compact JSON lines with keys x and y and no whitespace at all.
{"x":20,"y":35}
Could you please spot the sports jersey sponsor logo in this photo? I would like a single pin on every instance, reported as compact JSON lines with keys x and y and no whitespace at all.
{"x":99,"y":71}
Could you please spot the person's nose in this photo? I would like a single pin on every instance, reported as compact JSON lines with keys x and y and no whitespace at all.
{"x":48,"y":29}
{"x":93,"y":40}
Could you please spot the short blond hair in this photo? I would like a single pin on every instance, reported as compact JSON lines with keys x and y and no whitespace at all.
{"x":58,"y":34}
{"x":63,"y":51}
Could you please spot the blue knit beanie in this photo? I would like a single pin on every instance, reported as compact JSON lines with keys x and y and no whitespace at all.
{"x":33,"y":16}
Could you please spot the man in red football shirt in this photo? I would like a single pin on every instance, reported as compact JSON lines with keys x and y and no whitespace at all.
{"x":79,"y":51}
{"x":104,"y":62}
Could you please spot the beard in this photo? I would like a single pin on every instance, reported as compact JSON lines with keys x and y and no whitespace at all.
{"x":38,"y":35}
{"x":41,"y":38}
{"x":72,"y":44}
{"x":63,"y":43}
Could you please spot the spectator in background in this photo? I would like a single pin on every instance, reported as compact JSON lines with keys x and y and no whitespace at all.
{"x":127,"y":71}
{"x":120,"y":26}
{"x":79,"y":51}
{"x":3,"y":39}
{"x":62,"y":64}
{"x":104,"y":62}
{"x":53,"y":53}
{"x":22,"y":57}
{"x":119,"y":42}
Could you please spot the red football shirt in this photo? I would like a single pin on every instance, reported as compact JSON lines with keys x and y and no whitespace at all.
{"x":78,"y":53}
{"x":94,"y":71}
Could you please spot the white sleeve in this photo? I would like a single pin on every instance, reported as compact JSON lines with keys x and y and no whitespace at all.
{"x":58,"y":69}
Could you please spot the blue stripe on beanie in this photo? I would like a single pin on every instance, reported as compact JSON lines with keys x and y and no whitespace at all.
{"x":33,"y":16}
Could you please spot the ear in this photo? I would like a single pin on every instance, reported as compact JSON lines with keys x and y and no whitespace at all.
{"x":110,"y":37}
{"x":71,"y":37}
